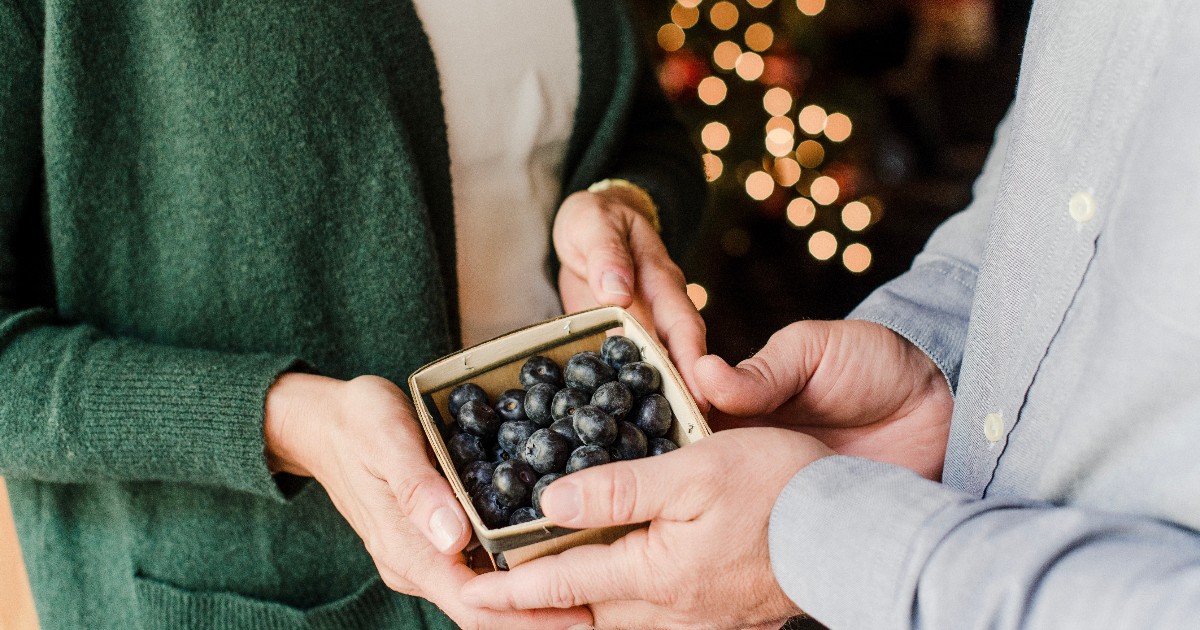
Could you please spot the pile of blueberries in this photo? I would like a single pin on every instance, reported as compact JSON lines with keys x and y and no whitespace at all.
{"x":597,"y":409}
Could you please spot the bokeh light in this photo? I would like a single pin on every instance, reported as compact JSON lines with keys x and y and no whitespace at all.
{"x":685,"y":16}
{"x":856,"y":216}
{"x":759,"y":37}
{"x":713,"y":167}
{"x":723,"y":15}
{"x":822,"y":245}
{"x":670,"y":37}
{"x":801,"y":212}
{"x":856,"y":257}
{"x":749,"y":66}
{"x":715,"y":136}
{"x":698,"y":295}
{"x":779,"y":142}
{"x":725,"y":54}
{"x":837,"y":127}
{"x":760,"y":185}
{"x":810,"y":7}
{"x":810,"y":154}
{"x":825,"y":190}
{"x":759,"y":4}
{"x":812,"y":119}
{"x":689,"y":4}
{"x":787,"y":171}
{"x":712,"y":90}
{"x":781,"y":122}
{"x":777,"y":101}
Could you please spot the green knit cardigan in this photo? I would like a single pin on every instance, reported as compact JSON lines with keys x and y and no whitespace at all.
{"x":196,"y":196}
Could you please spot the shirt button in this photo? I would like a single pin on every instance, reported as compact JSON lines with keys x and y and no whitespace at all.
{"x":1082,"y":206}
{"x":993,"y":427}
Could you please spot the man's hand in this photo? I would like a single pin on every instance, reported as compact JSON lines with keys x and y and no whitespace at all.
{"x":702,"y":563}
{"x":611,"y":255}
{"x":360,"y":439}
{"x":856,"y":386}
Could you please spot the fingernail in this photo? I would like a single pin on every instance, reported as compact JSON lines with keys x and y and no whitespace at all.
{"x":613,"y":283}
{"x":581,"y":626}
{"x":445,"y":527}
{"x":567,"y":501}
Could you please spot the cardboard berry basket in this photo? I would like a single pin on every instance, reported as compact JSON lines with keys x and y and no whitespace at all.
{"x":495,"y":365}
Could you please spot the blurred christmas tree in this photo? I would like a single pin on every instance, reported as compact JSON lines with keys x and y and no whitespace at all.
{"x":815,"y":118}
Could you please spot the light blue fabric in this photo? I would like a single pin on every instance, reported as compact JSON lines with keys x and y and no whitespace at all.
{"x":1083,"y":336}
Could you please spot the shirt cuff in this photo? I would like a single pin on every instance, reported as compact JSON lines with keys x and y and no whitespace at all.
{"x":844,"y":537}
{"x":930,"y":305}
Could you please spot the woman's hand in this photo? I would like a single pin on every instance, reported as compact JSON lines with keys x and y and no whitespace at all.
{"x":361,"y":440}
{"x":611,"y":255}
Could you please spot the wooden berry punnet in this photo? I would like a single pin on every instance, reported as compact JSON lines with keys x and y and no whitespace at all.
{"x":494,"y":365}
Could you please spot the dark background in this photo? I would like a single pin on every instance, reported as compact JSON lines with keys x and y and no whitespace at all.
{"x":924,"y":106}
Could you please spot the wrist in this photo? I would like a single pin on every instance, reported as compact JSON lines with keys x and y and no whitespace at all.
{"x":631,"y":195}
{"x":294,"y":405}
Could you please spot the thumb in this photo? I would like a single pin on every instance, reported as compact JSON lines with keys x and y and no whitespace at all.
{"x":620,"y":493}
{"x":760,"y":384}
{"x":427,"y":501}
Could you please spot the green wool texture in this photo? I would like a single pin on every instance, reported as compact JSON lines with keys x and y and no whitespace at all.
{"x":195,"y":197}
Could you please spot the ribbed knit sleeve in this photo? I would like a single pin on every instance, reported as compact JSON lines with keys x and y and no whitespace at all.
{"x":77,"y":405}
{"x":657,"y":154}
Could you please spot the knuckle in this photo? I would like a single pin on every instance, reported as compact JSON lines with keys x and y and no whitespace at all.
{"x":561,"y":594}
{"x":623,"y":493}
{"x":409,"y":492}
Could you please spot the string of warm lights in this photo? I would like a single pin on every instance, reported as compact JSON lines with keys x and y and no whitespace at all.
{"x":796,"y":138}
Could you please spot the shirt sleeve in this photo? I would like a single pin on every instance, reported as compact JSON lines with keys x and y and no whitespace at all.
{"x":78,"y":405}
{"x":930,"y":304}
{"x":860,"y":544}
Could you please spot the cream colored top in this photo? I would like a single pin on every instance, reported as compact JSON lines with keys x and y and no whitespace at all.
{"x":510,"y":81}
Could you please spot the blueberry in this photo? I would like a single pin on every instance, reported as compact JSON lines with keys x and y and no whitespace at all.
{"x":658,"y":446}
{"x":652,"y":415}
{"x":523,"y":515}
{"x":587,"y":371}
{"x":461,"y":394}
{"x":614,"y":399}
{"x":566,"y":401}
{"x":587,"y":456}
{"x":513,"y":482}
{"x":546,"y":451}
{"x":476,"y":476}
{"x":641,"y":378}
{"x":539,"y":487}
{"x":478,"y":418}
{"x":494,"y":513}
{"x":511,"y":405}
{"x":465,"y":448}
{"x":594,"y":426}
{"x":538,"y":400}
{"x":566,"y":428}
{"x":618,"y":351}
{"x":539,"y":369}
{"x":512,"y":436}
{"x":630,"y":444}
{"x":496,"y":453}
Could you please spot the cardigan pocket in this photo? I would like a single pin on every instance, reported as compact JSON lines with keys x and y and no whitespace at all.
{"x":164,"y":606}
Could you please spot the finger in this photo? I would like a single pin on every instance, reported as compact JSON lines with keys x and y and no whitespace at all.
{"x":624,"y":493}
{"x":426,"y":500}
{"x":676,"y":320}
{"x":575,"y":293}
{"x":445,"y":588}
{"x":575,"y":577}
{"x":594,"y":243}
{"x":762,"y":383}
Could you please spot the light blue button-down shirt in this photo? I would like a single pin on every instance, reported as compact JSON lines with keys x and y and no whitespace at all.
{"x":1064,"y":308}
